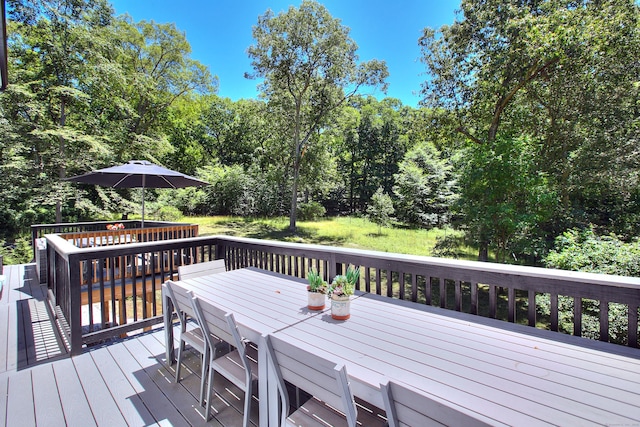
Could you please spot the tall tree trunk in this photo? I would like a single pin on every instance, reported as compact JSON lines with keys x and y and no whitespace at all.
{"x":294,"y":197}
{"x":483,"y":246}
{"x":62,"y":170}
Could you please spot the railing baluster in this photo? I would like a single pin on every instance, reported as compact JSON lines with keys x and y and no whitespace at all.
{"x":553,"y":297}
{"x":474,"y":298}
{"x":633,"y":325}
{"x":577,"y":316}
{"x":414,"y":287}
{"x":103,"y":309}
{"x":531,"y":307}
{"x":511,"y":302}
{"x":604,"y":320}
{"x":493,"y":302}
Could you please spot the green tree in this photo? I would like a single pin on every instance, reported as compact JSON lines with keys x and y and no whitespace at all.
{"x":310,"y":68}
{"x":503,"y":198}
{"x":372,"y":141}
{"x":561,"y":71}
{"x":380,"y":210}
{"x":425,"y":187}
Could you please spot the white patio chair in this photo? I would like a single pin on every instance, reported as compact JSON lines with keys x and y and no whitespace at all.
{"x":193,"y":336}
{"x":201,"y":269}
{"x":235,"y":366}
{"x":332,"y":402}
{"x":407,"y":407}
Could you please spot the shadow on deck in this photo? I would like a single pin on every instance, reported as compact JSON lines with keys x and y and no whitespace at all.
{"x":124,"y":382}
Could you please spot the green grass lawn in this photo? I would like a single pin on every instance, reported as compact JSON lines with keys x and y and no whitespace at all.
{"x":349,"y":232}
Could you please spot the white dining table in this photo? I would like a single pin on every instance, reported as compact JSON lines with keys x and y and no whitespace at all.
{"x":495,"y":371}
{"x":262,"y":302}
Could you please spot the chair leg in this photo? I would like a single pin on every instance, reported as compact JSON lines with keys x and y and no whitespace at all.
{"x":179,"y":362}
{"x":205,"y":367}
{"x":247,"y":404}
{"x":207,"y":415}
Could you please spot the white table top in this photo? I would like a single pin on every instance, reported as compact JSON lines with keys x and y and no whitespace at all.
{"x":261,"y":302}
{"x":498,"y":372}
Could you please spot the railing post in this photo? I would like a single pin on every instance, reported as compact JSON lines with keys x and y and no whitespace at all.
{"x":75,"y":315}
{"x":333,"y":266}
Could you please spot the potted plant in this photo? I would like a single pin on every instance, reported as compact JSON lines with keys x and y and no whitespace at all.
{"x":340,"y":291}
{"x":317,"y":289}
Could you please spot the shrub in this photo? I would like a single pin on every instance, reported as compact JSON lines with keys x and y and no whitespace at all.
{"x":448,"y":246}
{"x":311,"y":211}
{"x":583,"y":250}
{"x":169,"y":213}
{"x":19,"y":252}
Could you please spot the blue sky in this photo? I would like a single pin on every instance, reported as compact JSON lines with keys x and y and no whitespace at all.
{"x":219,"y":32}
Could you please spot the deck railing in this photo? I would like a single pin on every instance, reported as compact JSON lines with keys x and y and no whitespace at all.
{"x":40,"y":230}
{"x":506,"y":292}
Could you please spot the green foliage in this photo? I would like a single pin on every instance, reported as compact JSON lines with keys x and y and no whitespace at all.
{"x":316,"y":282}
{"x":583,"y":250}
{"x":561,"y":71}
{"x":310,"y":67}
{"x":229,"y":190}
{"x":380,"y":210}
{"x":19,"y":252}
{"x":371,"y":139}
{"x":311,"y":211}
{"x":168,"y":213}
{"x":448,"y":245}
{"x":503,"y":198}
{"x":345,"y":284}
{"x":425,"y":188}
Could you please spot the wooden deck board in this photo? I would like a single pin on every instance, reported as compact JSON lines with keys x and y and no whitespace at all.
{"x":124,"y":382}
{"x":4,"y":338}
{"x":75,"y":405}
{"x":4,"y":396}
{"x":103,"y":405}
{"x":131,"y":406}
{"x":20,"y":405}
{"x":46,"y":398}
{"x":145,"y":389}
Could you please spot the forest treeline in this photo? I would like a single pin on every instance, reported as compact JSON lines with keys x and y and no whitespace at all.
{"x":528,"y":127}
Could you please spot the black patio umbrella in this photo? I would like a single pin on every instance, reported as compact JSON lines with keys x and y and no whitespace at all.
{"x":138,"y":174}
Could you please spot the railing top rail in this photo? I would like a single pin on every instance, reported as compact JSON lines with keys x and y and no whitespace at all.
{"x":486,"y":267}
{"x":122,"y":231}
{"x":89,"y":223}
{"x":354,"y":255}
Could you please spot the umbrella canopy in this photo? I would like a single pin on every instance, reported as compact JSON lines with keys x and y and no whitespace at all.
{"x":138,"y":174}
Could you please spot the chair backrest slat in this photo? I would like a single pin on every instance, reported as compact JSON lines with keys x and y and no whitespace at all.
{"x":318,"y":376}
{"x":214,"y":321}
{"x":406,"y":406}
{"x":201,"y":269}
{"x":179,"y":298}
{"x":217,"y":325}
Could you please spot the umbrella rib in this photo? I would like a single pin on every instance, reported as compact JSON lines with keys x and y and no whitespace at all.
{"x":167,"y":181}
{"x":125,"y":177}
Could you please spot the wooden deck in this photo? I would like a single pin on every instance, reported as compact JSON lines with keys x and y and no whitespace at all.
{"x":122,"y":383}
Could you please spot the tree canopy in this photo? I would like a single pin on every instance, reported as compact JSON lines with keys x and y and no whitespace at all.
{"x":310,"y":68}
{"x":528,"y":125}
